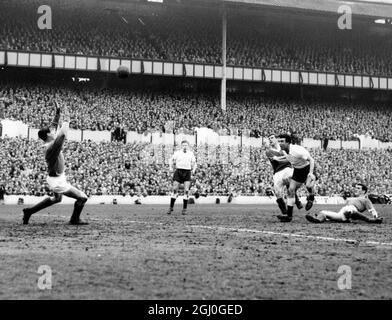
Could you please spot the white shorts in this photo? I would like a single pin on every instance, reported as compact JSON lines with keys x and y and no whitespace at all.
{"x":346,"y":210}
{"x":58,"y":184}
{"x":282,"y":180}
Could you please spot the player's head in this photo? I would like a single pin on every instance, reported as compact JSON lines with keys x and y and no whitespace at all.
{"x":45,"y":135}
{"x":295,"y":139}
{"x":284,"y":138}
{"x":273,"y":140}
{"x":360,"y":189}
{"x":184,"y":145}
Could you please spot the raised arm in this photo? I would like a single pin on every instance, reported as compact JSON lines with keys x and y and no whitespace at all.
{"x":56,"y":119}
{"x":58,"y":143}
{"x":65,"y":125}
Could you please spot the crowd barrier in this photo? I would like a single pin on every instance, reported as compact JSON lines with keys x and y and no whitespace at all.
{"x":12,"y":128}
{"x":165,"y":200}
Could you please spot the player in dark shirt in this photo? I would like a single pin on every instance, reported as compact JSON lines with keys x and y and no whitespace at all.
{"x":353,"y":210}
{"x":56,"y":176}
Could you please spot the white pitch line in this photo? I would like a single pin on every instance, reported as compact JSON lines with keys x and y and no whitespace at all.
{"x":244,"y":230}
{"x":294,"y":235}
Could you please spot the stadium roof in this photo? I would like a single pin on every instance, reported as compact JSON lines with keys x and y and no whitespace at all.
{"x":373,"y":8}
{"x":370,"y":8}
{"x":377,"y":8}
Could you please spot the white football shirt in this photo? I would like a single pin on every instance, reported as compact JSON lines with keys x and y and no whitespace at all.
{"x":183,"y":160}
{"x":298,"y":156}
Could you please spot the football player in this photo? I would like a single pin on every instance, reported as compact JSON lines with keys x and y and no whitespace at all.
{"x":303,"y":165}
{"x":283,"y":173}
{"x":184,"y":163}
{"x":353,"y":210}
{"x":56,"y":179}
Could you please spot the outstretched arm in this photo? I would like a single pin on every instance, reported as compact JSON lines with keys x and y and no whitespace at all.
{"x":65,"y":125}
{"x":369,"y":206}
{"x":58,"y":143}
{"x":56,"y":119}
{"x":279,"y":158}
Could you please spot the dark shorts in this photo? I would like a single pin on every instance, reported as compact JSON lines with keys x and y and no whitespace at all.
{"x":182,"y":175}
{"x":300,"y":175}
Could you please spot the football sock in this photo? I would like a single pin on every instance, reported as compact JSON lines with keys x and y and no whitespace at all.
{"x":185,"y":200}
{"x":172,"y":200}
{"x":290,"y":211}
{"x":290,"y":206}
{"x":311,"y":194}
{"x":78,"y":207}
{"x":282,"y":205}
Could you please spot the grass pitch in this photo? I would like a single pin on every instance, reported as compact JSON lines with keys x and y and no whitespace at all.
{"x":215,"y":252}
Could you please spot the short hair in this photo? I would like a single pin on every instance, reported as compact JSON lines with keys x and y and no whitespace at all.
{"x":184,"y":141}
{"x":295,"y":139}
{"x":286,"y":137}
{"x":363,"y":187}
{"x":43,"y":133}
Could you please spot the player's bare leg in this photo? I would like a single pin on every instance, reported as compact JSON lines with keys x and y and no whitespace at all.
{"x":281,"y":202}
{"x":187,"y":185}
{"x":47,"y":202}
{"x":341,"y":216}
{"x":81,"y":199}
{"x":174,"y":196}
{"x":325,"y":215}
{"x":298,"y":202}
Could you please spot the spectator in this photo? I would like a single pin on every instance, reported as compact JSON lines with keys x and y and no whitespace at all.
{"x":119,"y":134}
{"x":133,"y":169}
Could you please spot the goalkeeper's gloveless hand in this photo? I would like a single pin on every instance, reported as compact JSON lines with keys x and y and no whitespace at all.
{"x":58,"y":109}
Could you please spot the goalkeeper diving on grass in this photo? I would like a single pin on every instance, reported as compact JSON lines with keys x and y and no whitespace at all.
{"x":353,"y":210}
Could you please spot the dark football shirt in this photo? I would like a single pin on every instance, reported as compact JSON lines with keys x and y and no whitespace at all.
{"x":54,"y":156}
{"x":277,"y":165}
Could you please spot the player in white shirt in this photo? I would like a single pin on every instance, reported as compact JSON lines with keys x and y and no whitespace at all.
{"x":303,"y":165}
{"x":183,"y":162}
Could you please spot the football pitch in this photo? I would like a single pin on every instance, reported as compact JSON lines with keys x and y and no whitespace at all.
{"x":215,"y":252}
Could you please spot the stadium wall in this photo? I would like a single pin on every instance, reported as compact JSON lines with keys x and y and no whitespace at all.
{"x":164,"y":200}
{"x":12,"y":128}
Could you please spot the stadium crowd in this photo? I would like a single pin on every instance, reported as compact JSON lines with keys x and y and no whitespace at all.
{"x":142,"y":169}
{"x":185,"y":35}
{"x":169,"y":111}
